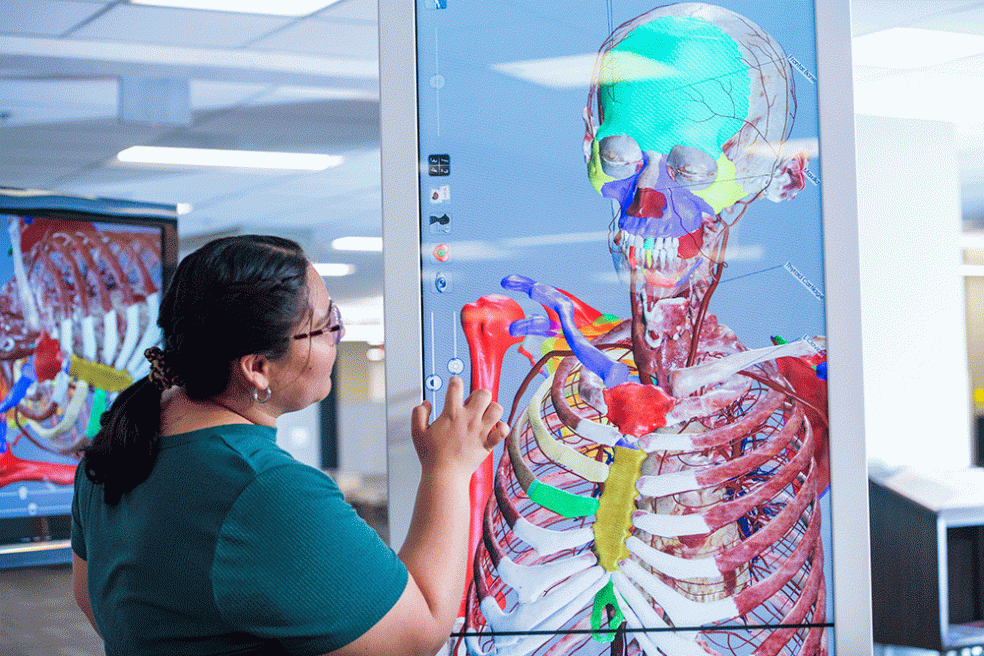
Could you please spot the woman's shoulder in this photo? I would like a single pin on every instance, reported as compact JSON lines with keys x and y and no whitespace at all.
{"x":254,"y":447}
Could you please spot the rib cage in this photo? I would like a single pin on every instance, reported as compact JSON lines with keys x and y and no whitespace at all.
{"x":94,"y":291}
{"x":769,"y":551}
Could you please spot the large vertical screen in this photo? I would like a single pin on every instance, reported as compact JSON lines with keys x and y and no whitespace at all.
{"x":621,"y":236}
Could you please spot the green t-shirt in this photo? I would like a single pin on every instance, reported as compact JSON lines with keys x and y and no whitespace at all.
{"x":231,"y":547}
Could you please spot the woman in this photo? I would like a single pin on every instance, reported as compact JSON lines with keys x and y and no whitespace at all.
{"x":193,"y":533}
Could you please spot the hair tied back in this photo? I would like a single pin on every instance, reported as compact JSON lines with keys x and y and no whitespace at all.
{"x":162,"y":374}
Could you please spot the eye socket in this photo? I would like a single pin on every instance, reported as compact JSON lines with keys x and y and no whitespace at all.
{"x":621,"y":156}
{"x":691,"y":167}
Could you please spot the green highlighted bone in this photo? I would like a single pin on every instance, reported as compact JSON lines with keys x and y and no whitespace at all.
{"x":98,"y":407}
{"x":563,"y":503}
{"x":605,"y":599}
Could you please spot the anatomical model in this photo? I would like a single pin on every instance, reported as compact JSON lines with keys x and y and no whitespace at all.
{"x":662,"y":475}
{"x":74,"y":322}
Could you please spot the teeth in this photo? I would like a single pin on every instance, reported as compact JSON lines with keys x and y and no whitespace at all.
{"x":649,"y":251}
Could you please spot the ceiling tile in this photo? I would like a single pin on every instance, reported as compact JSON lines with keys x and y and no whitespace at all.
{"x":32,"y":102}
{"x":969,"y":20}
{"x":969,"y":66}
{"x":179,"y":27}
{"x":366,"y":10}
{"x":869,"y":16}
{"x":207,"y":94}
{"x":351,"y":40}
{"x":922,"y":94}
{"x":42,"y":17}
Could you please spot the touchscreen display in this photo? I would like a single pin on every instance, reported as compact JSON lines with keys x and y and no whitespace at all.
{"x":78,"y":306}
{"x":622,"y":237}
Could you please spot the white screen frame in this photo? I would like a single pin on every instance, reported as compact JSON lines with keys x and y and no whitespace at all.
{"x":402,"y":294}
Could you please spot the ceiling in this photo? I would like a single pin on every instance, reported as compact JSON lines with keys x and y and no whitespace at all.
{"x":258,"y":82}
{"x":253,"y":83}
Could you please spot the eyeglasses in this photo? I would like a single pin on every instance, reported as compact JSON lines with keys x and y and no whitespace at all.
{"x":334,"y":326}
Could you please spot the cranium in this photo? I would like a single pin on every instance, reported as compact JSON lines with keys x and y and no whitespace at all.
{"x":687,"y":118}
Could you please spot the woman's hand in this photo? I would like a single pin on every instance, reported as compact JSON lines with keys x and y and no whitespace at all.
{"x":462,"y":435}
{"x":436,"y":548}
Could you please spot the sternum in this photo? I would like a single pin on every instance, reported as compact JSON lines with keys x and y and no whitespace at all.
{"x":613,"y":521}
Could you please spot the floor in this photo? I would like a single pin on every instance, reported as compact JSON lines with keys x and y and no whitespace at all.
{"x":38,"y":615}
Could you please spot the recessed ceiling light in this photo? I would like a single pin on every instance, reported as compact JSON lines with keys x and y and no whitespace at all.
{"x":909,"y":47}
{"x":333,"y":269}
{"x":971,"y":240}
{"x":279,"y":8}
{"x":249,"y":159}
{"x":358,"y":244}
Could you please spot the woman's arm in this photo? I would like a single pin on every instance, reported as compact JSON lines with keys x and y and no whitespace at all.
{"x":80,"y":586}
{"x":436,"y":549}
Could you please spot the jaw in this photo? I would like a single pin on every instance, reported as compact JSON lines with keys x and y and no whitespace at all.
{"x":669,"y":267}
{"x":664,"y":286}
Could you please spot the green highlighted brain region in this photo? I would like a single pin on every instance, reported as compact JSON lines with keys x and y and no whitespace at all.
{"x":674,"y":80}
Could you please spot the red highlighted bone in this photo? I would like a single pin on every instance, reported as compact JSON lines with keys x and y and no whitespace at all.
{"x":637,"y":409}
{"x":47,"y":358}
{"x":648,"y":203}
{"x":486,"y":324}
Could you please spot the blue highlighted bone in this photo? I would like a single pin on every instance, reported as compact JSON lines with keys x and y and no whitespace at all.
{"x":612,"y":372}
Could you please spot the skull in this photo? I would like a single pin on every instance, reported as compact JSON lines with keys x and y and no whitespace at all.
{"x":687,"y":117}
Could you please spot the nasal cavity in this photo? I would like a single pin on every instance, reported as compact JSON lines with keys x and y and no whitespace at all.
{"x":647,"y":203}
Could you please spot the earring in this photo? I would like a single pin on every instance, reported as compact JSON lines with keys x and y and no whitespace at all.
{"x":256,"y":395}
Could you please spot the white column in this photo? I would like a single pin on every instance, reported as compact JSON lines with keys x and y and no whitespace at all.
{"x":916,"y":389}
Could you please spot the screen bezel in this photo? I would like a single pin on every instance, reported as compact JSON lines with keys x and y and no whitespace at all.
{"x":45,"y":540}
{"x":404,"y":341}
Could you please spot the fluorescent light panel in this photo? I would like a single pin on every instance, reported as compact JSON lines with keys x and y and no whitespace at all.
{"x":971,"y":240}
{"x":358,"y":244}
{"x":279,"y":8}
{"x":909,"y":47}
{"x":248,"y":159}
{"x":333,"y":269}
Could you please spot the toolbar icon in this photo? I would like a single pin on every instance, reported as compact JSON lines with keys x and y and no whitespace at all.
{"x":442,"y":282}
{"x":440,"y":194}
{"x":442,"y":253}
{"x":440,"y":225}
{"x":438,"y":165}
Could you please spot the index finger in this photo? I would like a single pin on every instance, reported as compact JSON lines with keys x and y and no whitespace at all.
{"x":453,"y":397}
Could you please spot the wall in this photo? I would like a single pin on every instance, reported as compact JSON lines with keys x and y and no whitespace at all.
{"x":974,"y":299}
{"x":916,"y":389}
{"x":361,"y":411}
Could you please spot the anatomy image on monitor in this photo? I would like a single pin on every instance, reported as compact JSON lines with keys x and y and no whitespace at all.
{"x":78,"y":306}
{"x":661,"y":488}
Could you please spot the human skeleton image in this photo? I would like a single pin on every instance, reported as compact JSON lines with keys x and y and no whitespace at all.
{"x":75,"y":318}
{"x":660,"y":492}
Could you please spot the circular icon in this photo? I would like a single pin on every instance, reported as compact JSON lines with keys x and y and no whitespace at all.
{"x":434,"y":382}
{"x":32,"y":509}
{"x":440,"y":283}
{"x":437,"y":81}
{"x":456,"y":366}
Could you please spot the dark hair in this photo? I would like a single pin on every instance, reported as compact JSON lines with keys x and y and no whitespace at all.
{"x":232,"y":297}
